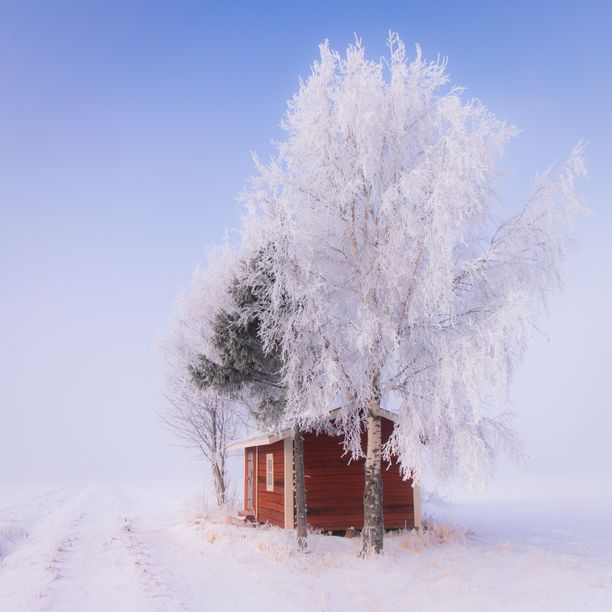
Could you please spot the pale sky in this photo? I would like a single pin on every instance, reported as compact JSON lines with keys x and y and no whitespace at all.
{"x":125,"y":134}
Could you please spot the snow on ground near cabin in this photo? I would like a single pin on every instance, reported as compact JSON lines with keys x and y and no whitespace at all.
{"x":110,"y":547}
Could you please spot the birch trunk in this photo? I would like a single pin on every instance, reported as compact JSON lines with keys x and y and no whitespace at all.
{"x":299,"y":483}
{"x":373,"y":520}
{"x":219,"y":480}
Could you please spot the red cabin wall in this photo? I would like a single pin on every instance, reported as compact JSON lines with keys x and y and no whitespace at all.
{"x":270,"y":505}
{"x":334,"y":487}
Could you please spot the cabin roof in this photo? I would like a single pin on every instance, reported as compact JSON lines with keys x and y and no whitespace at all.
{"x":262,"y":439}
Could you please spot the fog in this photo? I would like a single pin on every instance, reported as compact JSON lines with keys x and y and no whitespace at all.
{"x":126,"y":135}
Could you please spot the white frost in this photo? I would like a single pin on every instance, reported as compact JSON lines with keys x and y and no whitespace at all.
{"x":394,"y":279}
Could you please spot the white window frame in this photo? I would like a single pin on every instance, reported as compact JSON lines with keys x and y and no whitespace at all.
{"x":269,"y":472}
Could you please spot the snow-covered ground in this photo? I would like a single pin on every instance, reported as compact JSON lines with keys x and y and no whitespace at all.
{"x":83,"y":547}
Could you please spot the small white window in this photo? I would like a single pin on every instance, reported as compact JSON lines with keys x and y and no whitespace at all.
{"x":269,"y":472}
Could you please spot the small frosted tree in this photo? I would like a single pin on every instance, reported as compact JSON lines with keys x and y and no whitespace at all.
{"x":200,"y":418}
{"x":408,"y":291}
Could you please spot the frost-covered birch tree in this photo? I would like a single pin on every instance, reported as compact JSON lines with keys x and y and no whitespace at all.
{"x":200,"y":418}
{"x":412,"y":290}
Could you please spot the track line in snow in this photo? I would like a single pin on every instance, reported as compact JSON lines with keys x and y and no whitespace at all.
{"x":19,"y":518}
{"x":100,"y":566}
{"x":156,"y":576}
{"x":28,"y":570}
{"x":117,"y":548}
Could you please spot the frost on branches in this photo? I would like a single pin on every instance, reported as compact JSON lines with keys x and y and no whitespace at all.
{"x":243,"y":366}
{"x":407,"y":293}
{"x":202,"y":419}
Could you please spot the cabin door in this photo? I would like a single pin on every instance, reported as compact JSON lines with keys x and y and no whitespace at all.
{"x":250,"y":481}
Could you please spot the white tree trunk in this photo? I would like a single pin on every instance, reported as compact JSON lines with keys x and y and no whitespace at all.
{"x":220,"y":484}
{"x":300,"y":489}
{"x":373,"y":520}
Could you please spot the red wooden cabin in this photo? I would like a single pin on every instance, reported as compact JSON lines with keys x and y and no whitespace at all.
{"x":334,"y":486}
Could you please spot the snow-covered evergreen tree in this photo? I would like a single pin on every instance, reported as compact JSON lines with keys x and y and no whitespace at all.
{"x":241,"y":365}
{"x":407,"y":293}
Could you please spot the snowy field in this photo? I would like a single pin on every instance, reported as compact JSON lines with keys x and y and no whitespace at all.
{"x":110,"y":547}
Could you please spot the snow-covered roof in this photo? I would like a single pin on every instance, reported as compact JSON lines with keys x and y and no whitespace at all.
{"x":262,"y":439}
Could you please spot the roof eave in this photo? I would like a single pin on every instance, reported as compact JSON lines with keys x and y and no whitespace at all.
{"x":262,"y":440}
{"x":270,"y":438}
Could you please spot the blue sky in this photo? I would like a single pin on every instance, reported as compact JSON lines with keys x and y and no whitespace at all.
{"x":125,"y":134}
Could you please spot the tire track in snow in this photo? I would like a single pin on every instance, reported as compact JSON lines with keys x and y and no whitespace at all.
{"x":162,"y":575}
{"x":214,"y":572}
{"x":102,"y":565}
{"x":19,"y":519}
{"x":64,"y":545}
{"x":156,"y":576}
{"x":28,"y":570}
{"x":169,"y":569}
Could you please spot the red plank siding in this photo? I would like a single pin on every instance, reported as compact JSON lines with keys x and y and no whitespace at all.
{"x":334,"y":487}
{"x":271,"y":504}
